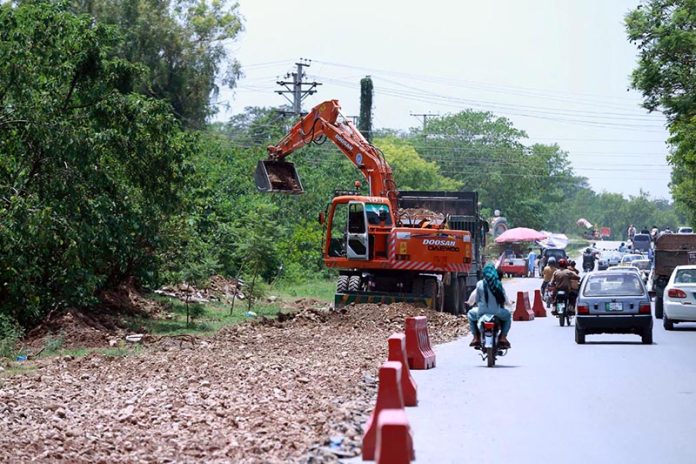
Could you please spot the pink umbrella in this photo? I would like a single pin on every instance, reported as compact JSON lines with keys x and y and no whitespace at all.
{"x":520,"y":234}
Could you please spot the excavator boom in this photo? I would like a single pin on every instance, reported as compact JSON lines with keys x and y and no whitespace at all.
{"x":276,"y":175}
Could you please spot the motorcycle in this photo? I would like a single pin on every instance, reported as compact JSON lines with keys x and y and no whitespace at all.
{"x":548,"y":294}
{"x":563,"y":312}
{"x":588,"y":267}
{"x":489,"y":327}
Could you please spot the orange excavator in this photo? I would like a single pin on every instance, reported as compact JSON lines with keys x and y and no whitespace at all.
{"x":387,"y":246}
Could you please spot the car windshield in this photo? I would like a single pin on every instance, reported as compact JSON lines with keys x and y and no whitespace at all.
{"x":685,"y":276}
{"x":629,"y":258}
{"x":641,"y":238}
{"x":624,"y":284}
{"x":642,"y":264}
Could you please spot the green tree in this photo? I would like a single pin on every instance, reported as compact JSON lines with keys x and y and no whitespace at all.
{"x":412,"y":172}
{"x":664,"y":32}
{"x":181,"y":43}
{"x":89,"y":172}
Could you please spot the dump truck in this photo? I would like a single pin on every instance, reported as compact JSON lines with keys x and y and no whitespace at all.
{"x":671,"y":250}
{"x":387,"y":246}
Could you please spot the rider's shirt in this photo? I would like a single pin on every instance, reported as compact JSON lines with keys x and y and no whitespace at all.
{"x":548,"y":273}
{"x":563,"y":278}
{"x":492,"y":307}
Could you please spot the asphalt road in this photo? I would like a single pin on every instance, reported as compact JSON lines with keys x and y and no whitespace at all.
{"x":549,"y":400}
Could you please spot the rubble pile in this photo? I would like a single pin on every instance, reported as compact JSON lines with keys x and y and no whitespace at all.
{"x":296,"y":389}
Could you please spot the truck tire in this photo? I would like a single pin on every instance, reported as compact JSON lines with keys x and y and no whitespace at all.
{"x":659,"y":307}
{"x":432,"y":288}
{"x":452,"y":297}
{"x":463,"y":296}
{"x":354,"y":284}
{"x":342,"y":284}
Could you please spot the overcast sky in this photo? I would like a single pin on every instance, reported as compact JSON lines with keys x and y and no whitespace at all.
{"x":559,"y":69}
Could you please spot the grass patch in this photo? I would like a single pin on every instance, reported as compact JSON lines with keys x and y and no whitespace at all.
{"x":212,"y":316}
{"x":323,"y":290}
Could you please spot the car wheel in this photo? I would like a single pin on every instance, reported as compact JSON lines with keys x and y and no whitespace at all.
{"x":667,"y":323}
{"x":647,"y":337}
{"x":579,"y":336}
{"x":659,"y":307}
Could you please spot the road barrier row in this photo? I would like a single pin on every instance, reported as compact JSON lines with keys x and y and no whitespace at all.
{"x":387,"y":435}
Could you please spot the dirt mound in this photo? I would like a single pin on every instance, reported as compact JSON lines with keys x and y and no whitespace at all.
{"x":93,"y":327}
{"x":294,"y":390}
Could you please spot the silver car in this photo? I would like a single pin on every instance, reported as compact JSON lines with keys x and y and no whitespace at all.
{"x":613,"y":301}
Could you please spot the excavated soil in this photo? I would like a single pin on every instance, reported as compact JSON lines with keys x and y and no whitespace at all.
{"x":271,"y":391}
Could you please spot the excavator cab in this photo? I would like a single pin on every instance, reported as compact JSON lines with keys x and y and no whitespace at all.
{"x":274,"y":176}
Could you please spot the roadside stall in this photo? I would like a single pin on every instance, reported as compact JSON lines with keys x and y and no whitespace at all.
{"x":515,"y":242}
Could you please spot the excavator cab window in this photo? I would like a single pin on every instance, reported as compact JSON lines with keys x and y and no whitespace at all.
{"x":378,"y":213}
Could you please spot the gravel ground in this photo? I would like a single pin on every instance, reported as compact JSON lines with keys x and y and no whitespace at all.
{"x":261,"y":392}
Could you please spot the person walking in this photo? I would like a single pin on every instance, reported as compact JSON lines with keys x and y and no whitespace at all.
{"x":531,"y":263}
{"x":631,"y":232}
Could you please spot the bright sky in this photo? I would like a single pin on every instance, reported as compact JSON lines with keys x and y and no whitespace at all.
{"x":559,"y":69}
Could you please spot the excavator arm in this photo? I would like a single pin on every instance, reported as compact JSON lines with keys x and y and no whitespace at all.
{"x":323,"y":120}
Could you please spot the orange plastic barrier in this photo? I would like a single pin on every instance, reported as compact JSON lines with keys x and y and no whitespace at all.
{"x":538,"y":308}
{"x":389,"y":396}
{"x":418,"y":351}
{"x":394,"y":439}
{"x":397,"y":352}
{"x":523,"y":311}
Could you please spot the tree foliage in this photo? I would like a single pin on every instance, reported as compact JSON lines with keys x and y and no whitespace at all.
{"x":665,"y":33}
{"x":182,"y":45}
{"x":89,"y":170}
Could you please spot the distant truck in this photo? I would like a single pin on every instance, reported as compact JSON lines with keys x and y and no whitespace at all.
{"x":671,"y":250}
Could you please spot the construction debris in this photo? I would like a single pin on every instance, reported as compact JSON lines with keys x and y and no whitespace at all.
{"x":264,"y":391}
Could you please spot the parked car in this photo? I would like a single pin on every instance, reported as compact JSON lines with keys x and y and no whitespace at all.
{"x":608,"y":258}
{"x":613,"y":301}
{"x":685,"y":230}
{"x":679,"y":299}
{"x":641,"y":242}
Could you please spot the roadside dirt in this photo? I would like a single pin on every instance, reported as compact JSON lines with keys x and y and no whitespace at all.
{"x":270,"y":391}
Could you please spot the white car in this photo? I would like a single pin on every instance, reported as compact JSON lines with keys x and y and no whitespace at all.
{"x":628,"y":258}
{"x":680,"y":297}
{"x":685,"y":230}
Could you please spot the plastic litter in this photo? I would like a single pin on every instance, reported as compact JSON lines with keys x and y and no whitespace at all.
{"x":250,"y":314}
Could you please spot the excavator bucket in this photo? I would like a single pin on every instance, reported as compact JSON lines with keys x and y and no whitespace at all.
{"x":274,"y":176}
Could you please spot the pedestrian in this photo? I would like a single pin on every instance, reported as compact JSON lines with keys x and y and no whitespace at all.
{"x":531,"y":263}
{"x":631,"y":232}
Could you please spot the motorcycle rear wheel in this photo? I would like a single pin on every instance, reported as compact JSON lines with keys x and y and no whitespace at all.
{"x":490,"y":356}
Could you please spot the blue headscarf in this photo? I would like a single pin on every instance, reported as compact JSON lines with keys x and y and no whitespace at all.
{"x":491,"y":281}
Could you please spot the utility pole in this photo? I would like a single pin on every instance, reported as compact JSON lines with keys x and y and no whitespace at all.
{"x":425,"y":117}
{"x":296,"y":87}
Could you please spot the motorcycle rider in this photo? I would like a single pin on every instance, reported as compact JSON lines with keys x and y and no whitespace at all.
{"x":547,"y":273}
{"x":491,"y":298}
{"x":588,"y":260}
{"x":562,"y":280}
